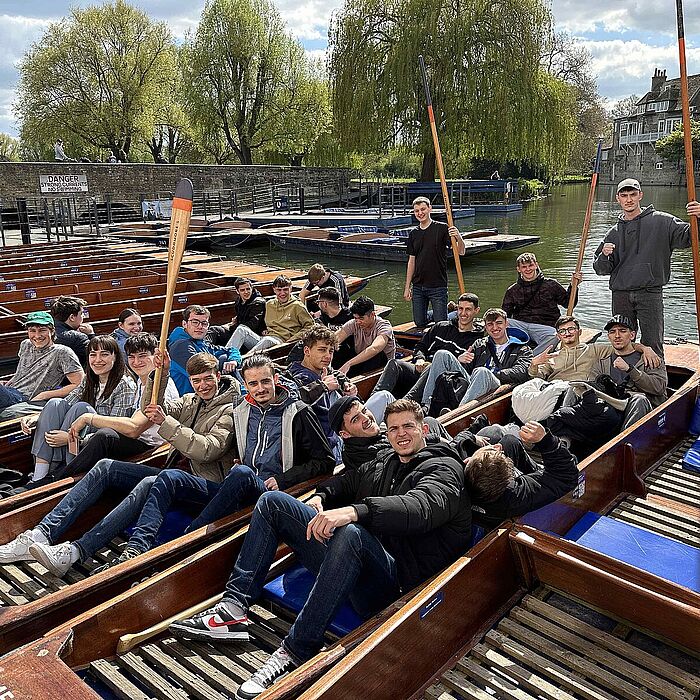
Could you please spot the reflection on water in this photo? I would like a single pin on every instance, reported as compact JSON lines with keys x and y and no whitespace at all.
{"x":558,"y":221}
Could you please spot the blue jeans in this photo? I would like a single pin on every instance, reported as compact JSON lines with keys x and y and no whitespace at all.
{"x":422,"y":296}
{"x":352,"y":566}
{"x":9,"y":397}
{"x":135,"y":479}
{"x":241,"y":487}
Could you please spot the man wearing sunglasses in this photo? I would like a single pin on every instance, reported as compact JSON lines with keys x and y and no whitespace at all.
{"x":189,"y":339}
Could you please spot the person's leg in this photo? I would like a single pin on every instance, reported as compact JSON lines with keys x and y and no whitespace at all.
{"x":419,"y":303}
{"x":443,"y":361}
{"x":438,"y":300}
{"x":267,"y":341}
{"x":10,"y":397}
{"x":397,"y":377}
{"x":104,"y":443}
{"x":650,"y":315}
{"x":50,"y":418}
{"x":355,"y":567}
{"x":105,"y":474}
{"x":623,"y":304}
{"x":481,"y":382}
{"x":243,"y":338}
{"x":638,"y":406}
{"x":377,"y":403}
{"x":374,"y":363}
{"x":72,"y":413}
{"x":415,"y":393}
{"x":24,"y":408}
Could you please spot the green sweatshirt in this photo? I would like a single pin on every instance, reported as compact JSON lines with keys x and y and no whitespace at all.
{"x":287,"y":321}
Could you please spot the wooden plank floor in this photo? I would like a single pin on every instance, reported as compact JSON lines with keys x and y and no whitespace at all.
{"x":552,"y":647}
{"x":25,"y":581}
{"x":172,"y":669}
{"x":672,"y":506}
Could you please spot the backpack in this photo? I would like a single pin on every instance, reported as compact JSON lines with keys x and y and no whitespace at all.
{"x":450,"y":389}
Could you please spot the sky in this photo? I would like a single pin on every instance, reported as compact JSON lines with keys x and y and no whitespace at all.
{"x":627,"y":40}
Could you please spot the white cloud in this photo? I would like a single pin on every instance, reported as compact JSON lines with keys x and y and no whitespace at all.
{"x":308,"y":20}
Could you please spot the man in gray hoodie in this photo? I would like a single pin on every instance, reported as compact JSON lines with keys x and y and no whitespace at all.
{"x":636,"y":253}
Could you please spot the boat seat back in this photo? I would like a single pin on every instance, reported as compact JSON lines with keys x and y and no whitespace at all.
{"x":292,"y":588}
{"x":643,"y":549}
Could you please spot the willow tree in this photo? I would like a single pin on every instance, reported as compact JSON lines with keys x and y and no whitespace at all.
{"x":93,"y":79}
{"x":244,"y":75}
{"x":491,"y":95}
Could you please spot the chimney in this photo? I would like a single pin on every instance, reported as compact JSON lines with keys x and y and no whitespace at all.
{"x":658,"y":80}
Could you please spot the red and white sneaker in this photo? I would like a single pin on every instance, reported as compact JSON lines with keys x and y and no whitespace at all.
{"x":218,"y":623}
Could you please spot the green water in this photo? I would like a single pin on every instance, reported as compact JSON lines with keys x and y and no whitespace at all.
{"x":558,"y":221}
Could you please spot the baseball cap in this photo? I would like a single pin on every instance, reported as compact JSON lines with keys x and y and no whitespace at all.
{"x":629,"y":184}
{"x":620,"y":320}
{"x":338,"y":410}
{"x":39,"y":318}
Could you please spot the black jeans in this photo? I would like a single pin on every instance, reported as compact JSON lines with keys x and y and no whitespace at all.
{"x":398,"y":377}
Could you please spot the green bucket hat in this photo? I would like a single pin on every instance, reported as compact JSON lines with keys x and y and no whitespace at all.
{"x":39,"y":318}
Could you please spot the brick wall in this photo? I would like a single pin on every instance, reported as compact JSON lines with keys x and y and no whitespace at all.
{"x":129,"y":180}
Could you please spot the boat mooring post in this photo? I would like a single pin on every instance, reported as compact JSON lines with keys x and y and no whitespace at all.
{"x":23,"y":220}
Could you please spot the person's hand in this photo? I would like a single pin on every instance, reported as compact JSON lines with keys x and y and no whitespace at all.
{"x":322,"y":526}
{"x":454,"y":232}
{"x":41,"y":396}
{"x":578,"y":276}
{"x":620,"y":364}
{"x":161,"y":359}
{"x":79,"y":423}
{"x":651,"y":359}
{"x":350,"y":389}
{"x":316,"y":502}
{"x":86,"y":328}
{"x":421,"y":365}
{"x":56,"y":438}
{"x":544,"y":357}
{"x":154,"y":413}
{"x":407,"y":294}
{"x":608,"y":248}
{"x":271,"y":484}
{"x":316,"y":315}
{"x":467,"y":356}
{"x":693,"y":208}
{"x":330,"y":380}
{"x":28,"y":423}
{"x":230,"y":366}
{"x":344,"y":369}
{"x":481,"y":441}
{"x":532,"y":432}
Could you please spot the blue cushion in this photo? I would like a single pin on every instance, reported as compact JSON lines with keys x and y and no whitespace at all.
{"x":659,"y":555}
{"x":174,"y":525}
{"x":691,"y":460}
{"x":291,"y":590}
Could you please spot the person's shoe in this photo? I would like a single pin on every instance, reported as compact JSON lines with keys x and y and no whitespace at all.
{"x":56,"y":558}
{"x":480,"y":422}
{"x":17,"y":549}
{"x":128,"y":553}
{"x":445,"y":411}
{"x":277,"y":666}
{"x":215,"y":623}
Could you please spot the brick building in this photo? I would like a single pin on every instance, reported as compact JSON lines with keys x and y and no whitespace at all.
{"x":656,"y":115}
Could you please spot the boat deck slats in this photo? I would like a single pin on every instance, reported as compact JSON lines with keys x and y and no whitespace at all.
{"x":24,"y":581}
{"x":174,"y":669}
{"x":558,"y":649}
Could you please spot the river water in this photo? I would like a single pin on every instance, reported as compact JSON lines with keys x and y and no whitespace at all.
{"x":558,"y":220}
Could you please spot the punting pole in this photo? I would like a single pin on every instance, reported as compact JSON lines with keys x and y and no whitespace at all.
{"x":586,"y":228}
{"x":441,"y":172}
{"x":179,"y":226}
{"x":688,"y":144}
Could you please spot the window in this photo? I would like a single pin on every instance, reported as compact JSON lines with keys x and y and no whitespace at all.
{"x":659,"y":166}
{"x":674,"y":123}
{"x":662,"y":127}
{"x":662,"y":106}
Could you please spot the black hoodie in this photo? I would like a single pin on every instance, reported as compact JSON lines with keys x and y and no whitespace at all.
{"x":419,"y":511}
{"x":537,"y":301}
{"x":251,"y":313}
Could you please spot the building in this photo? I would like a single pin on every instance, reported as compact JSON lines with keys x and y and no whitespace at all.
{"x":656,"y":115}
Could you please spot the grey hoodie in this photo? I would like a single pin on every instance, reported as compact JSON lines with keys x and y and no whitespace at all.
{"x":643,"y":247}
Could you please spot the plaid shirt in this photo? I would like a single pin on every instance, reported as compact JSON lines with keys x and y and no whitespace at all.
{"x":119,"y":403}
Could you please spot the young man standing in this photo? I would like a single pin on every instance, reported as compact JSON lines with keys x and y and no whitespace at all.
{"x":373,"y":338}
{"x":71,"y":330}
{"x":368,"y":535}
{"x":41,"y":369}
{"x":426,"y":272}
{"x":636,"y":253}
{"x":321,"y":277}
{"x":188,"y":340}
{"x":533,"y":302}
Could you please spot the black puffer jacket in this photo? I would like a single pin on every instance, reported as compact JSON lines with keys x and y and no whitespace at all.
{"x":445,"y":335}
{"x":420,"y":511}
{"x":537,"y":301}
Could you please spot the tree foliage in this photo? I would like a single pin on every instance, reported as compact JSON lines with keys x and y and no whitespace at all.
{"x":96,"y":79}
{"x":249,"y":86}
{"x":624,"y":107}
{"x":9,"y":148}
{"x":491,"y":96}
{"x":672,"y":147}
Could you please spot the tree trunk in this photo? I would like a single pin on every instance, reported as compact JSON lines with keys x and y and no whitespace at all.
{"x":427,"y":172}
{"x":246,"y":154}
{"x":296,"y":159}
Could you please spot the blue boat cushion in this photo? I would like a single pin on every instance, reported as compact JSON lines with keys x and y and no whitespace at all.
{"x":659,"y":555}
{"x":174,"y":525}
{"x":292,"y":588}
{"x":691,"y":460}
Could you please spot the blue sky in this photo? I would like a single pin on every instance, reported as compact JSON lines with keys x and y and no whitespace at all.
{"x":627,"y":40}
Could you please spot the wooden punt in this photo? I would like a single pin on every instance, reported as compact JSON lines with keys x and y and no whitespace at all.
{"x":434,"y":626}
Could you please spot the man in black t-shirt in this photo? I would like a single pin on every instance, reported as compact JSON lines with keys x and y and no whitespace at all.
{"x":426,"y":272}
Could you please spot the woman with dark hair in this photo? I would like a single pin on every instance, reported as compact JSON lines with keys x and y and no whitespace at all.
{"x":129,"y":324}
{"x":105,"y":390}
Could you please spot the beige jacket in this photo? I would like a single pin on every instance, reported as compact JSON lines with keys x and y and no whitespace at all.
{"x":573,"y":364}
{"x":287,"y":321}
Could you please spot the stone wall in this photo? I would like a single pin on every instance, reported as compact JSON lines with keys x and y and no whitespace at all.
{"x":131,"y":180}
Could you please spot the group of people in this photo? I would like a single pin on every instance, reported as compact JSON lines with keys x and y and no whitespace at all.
{"x":402,"y":495}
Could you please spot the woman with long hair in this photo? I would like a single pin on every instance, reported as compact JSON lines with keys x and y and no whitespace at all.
{"x":129,"y":323}
{"x":106,"y":389}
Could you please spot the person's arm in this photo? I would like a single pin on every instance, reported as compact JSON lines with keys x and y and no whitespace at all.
{"x":305,"y":291}
{"x":509,"y":305}
{"x":130,"y":426}
{"x":420,"y":352}
{"x":454,"y":234}
{"x":345,"y":331}
{"x":517,"y":373}
{"x":540,"y":365}
{"x":256,"y":318}
{"x":377,"y":346}
{"x":604,"y":258}
{"x":650,"y":380}
{"x":74,"y":379}
{"x":410,"y":270}
{"x":121,"y":401}
{"x":340,"y":490}
{"x":304,"y":320}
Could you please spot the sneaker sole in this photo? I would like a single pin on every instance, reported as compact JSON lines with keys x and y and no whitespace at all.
{"x":251,"y":696}
{"x":223,"y":636}
{"x":39,"y":555}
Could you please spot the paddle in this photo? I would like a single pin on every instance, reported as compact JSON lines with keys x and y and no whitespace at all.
{"x":586,"y":228}
{"x":179,"y":225}
{"x":688,"y":146}
{"x":441,"y":172}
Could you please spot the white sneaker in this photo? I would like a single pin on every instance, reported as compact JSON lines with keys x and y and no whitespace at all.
{"x":56,"y":558}
{"x":18,"y":549}
{"x":277,"y":666}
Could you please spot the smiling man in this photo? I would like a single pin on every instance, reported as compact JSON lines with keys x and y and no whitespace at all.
{"x":249,"y":322}
{"x":636,"y":254}
{"x":368,"y":535}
